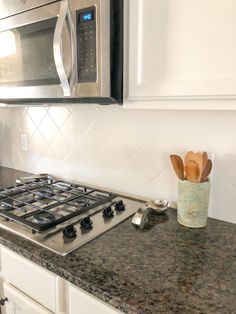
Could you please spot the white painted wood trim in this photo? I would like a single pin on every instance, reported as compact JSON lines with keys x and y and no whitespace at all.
{"x":182,"y":104}
{"x":60,"y":294}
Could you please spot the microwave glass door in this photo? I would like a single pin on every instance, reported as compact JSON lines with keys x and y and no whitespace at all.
{"x":27,"y":55}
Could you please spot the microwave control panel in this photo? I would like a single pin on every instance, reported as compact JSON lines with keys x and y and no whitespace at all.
{"x":86,"y":45}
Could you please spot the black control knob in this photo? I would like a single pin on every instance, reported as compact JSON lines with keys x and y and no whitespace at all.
{"x":86,"y":223}
{"x":120,"y":206}
{"x":69,"y":231}
{"x":108,"y":212}
{"x":2,"y":301}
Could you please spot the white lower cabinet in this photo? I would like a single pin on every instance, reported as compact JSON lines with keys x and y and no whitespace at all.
{"x":81,"y":302}
{"x":33,"y":280}
{"x":31,"y":289}
{"x":18,"y":303}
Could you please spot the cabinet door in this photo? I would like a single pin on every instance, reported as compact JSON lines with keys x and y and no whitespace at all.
{"x":19,"y":303}
{"x":181,"y":50}
{"x":19,"y":271}
{"x":81,"y":302}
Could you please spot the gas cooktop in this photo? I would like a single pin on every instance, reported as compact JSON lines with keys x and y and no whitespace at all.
{"x":59,"y":215}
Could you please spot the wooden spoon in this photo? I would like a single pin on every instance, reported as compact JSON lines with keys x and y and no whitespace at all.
{"x":188,"y":156}
{"x":199,"y":158}
{"x":178,"y":166}
{"x":192,"y":171}
{"x":206,"y":171}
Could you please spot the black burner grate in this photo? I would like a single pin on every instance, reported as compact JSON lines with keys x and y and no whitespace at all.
{"x":43,"y":204}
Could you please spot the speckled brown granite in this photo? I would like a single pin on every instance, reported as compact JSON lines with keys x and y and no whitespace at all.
{"x":8,"y":176}
{"x":164,"y":269}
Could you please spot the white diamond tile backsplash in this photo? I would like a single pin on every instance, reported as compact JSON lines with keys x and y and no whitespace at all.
{"x":124,"y":150}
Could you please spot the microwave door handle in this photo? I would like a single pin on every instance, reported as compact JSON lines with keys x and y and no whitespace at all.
{"x":63,"y":15}
{"x":73,"y":46}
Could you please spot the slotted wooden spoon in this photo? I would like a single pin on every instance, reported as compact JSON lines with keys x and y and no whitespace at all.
{"x":178,"y":166}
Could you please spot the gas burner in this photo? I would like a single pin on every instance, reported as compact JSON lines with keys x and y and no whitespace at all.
{"x":7,"y":203}
{"x":44,"y":218}
{"x":77,"y":213}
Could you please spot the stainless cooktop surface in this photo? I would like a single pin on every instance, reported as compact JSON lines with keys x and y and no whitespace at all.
{"x":59,"y":215}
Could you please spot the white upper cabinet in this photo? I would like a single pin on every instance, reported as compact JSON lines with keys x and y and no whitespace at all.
{"x":180,"y":54}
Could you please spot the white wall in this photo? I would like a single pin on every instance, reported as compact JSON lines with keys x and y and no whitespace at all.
{"x":125,"y":150}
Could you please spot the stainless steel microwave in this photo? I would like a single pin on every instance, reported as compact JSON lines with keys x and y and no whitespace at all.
{"x":61,"y":51}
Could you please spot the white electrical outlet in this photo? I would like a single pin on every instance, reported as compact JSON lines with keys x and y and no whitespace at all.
{"x":24,"y":143}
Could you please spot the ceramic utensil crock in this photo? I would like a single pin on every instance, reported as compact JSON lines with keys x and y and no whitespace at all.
{"x":193,"y":202}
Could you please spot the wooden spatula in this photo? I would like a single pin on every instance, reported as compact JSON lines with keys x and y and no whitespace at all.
{"x":206,"y":171}
{"x":178,"y":166}
{"x":204,"y":160}
{"x":192,"y":171}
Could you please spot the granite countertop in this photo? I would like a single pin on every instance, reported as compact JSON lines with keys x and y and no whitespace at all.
{"x":164,"y":269}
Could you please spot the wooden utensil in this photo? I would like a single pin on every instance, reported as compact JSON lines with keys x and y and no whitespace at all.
{"x":199,"y":158}
{"x":192,"y":171}
{"x":206,"y":171}
{"x":178,"y":166}
{"x":188,"y":156}
{"x":204,"y":160}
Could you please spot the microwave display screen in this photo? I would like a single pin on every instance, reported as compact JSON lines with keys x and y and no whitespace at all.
{"x":86,"y":16}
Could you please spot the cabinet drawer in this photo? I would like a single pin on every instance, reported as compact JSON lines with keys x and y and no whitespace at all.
{"x":30,"y":278}
{"x":81,"y":302}
{"x":18,"y":302}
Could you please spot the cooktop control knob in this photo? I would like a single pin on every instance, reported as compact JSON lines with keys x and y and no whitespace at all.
{"x":108,"y":212}
{"x":119,"y":206}
{"x":86,"y":223}
{"x":69,"y":231}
